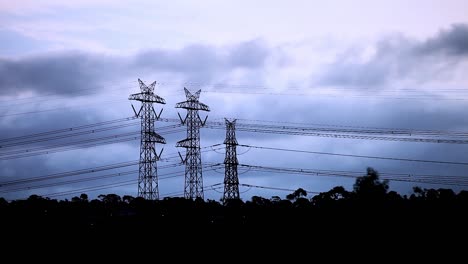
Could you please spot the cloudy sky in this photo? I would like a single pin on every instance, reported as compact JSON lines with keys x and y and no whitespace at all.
{"x":391,"y":64}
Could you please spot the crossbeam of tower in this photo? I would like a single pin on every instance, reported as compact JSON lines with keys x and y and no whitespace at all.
{"x":148,"y":171}
{"x":193,"y":187}
{"x":231,"y":178}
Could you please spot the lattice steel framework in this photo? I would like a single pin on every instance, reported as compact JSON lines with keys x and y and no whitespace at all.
{"x":193,"y":167}
{"x":148,"y":175}
{"x":231,"y":177}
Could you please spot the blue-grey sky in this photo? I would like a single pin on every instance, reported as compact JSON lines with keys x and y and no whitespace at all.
{"x":394,"y":64}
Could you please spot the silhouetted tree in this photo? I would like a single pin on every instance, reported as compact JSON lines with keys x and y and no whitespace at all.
{"x":370,"y":187}
{"x":462,"y":197}
{"x":301,"y":202}
{"x":325,"y":199}
{"x":260,"y":201}
{"x":35,"y":197}
{"x":394,"y":196}
{"x":84,"y":197}
{"x":338,"y":193}
{"x":446,"y":195}
{"x":128,"y":198}
{"x":275,"y":199}
{"x":418,"y":193}
{"x":110,"y":198}
{"x":3,"y":202}
{"x":296,"y":194}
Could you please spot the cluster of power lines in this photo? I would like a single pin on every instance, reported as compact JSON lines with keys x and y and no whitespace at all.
{"x":19,"y":147}
{"x":111,"y":132}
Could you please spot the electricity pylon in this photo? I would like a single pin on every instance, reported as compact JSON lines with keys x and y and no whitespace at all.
{"x":193,"y":166}
{"x":148,"y":173}
{"x":231,"y":177}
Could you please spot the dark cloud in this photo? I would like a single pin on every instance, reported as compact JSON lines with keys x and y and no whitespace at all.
{"x":453,"y":42}
{"x":65,"y":72}
{"x":60,"y":73}
{"x":398,"y":58}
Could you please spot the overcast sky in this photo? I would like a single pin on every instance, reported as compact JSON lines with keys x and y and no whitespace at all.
{"x":393,"y":64}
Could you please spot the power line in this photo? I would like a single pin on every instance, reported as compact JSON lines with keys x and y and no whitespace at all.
{"x":70,"y":143}
{"x":386,"y":129}
{"x":333,"y":92}
{"x":86,"y":171}
{"x":266,"y":129}
{"x":356,"y":156}
{"x":345,"y":136}
{"x":59,"y":94}
{"x":272,"y":188}
{"x":428,"y":179}
{"x":104,"y":186}
{"x":67,"y":135}
{"x":64,"y":108}
{"x":69,"y":173}
{"x":351,"y":130}
{"x":285,"y":125}
{"x":113,"y":139}
{"x":221,"y":86}
{"x":100,"y":177}
{"x":84,"y":146}
{"x":363,"y":134}
{"x":69,"y":129}
{"x":339,"y":96}
{"x":85,"y":179}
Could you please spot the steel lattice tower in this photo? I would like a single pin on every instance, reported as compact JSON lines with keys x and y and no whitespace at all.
{"x":148,"y":175}
{"x":231,"y":178}
{"x":193,"y":167}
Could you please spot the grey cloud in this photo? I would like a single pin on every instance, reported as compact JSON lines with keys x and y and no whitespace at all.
{"x":192,"y":58}
{"x":453,"y":42}
{"x":65,"y":72}
{"x":398,"y":58}
{"x":251,"y":54}
{"x":203,"y":62}
{"x":61,"y":73}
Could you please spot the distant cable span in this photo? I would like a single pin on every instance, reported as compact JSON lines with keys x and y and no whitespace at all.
{"x":272,"y":188}
{"x":427,"y":179}
{"x":357,"y":156}
{"x":60,"y":175}
{"x":426,"y":136}
{"x":69,"y":129}
{"x":119,"y":138}
{"x":105,"y":186}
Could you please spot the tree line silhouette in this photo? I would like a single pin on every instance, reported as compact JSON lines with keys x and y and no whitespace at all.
{"x":369,"y":202}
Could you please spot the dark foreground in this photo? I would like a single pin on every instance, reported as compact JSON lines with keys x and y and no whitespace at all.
{"x":367,"y":211}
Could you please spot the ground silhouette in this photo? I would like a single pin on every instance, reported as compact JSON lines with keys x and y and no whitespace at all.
{"x":369,"y":207}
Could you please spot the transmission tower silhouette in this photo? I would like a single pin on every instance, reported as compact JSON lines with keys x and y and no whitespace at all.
{"x":193,"y":168}
{"x":231,"y":178}
{"x":148,"y":173}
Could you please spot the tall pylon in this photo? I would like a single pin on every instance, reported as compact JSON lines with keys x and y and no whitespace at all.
{"x":193,"y":167}
{"x":148,"y":174}
{"x":231,"y":178}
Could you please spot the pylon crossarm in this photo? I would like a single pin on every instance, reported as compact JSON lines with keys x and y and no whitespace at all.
{"x":147,"y":98}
